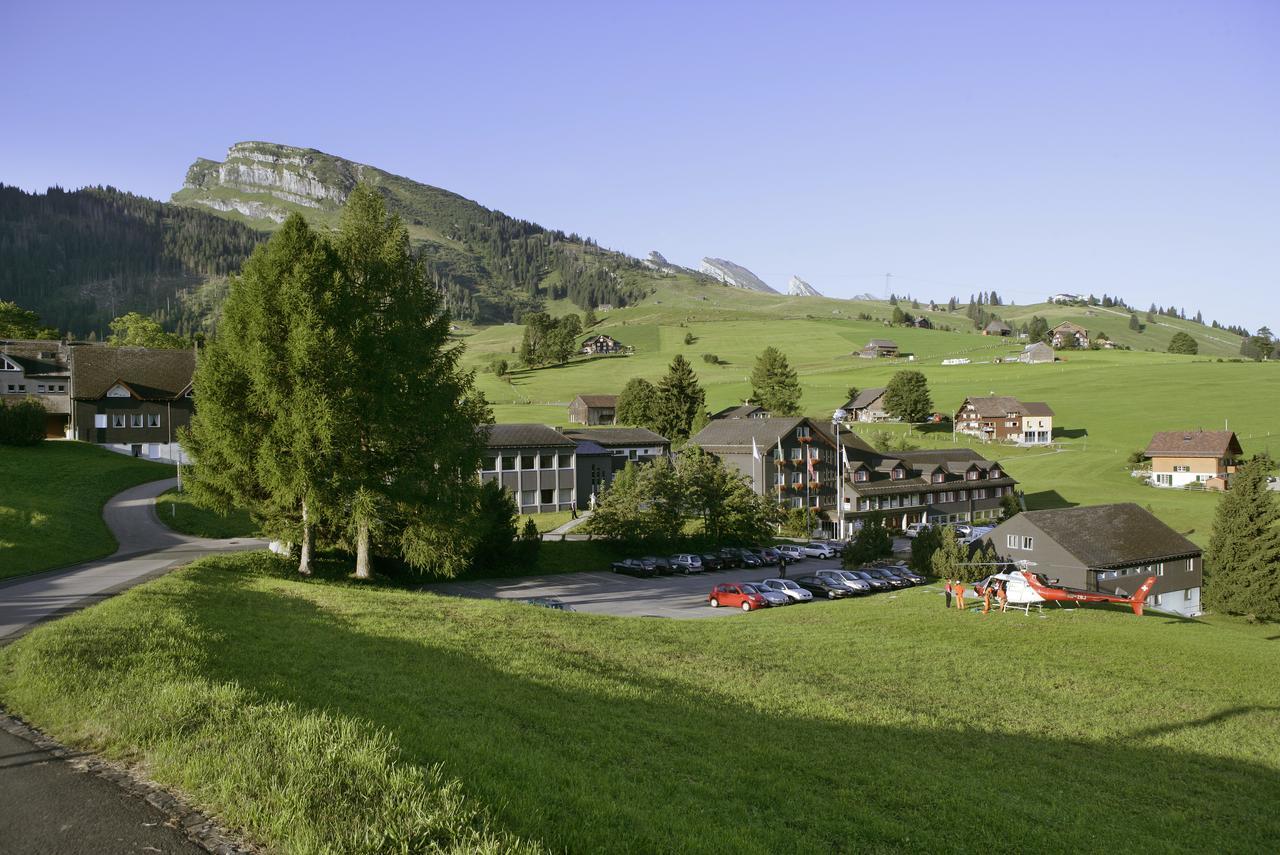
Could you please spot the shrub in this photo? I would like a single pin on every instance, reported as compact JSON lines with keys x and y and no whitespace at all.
{"x":22,"y":423}
{"x":710,"y":359}
{"x":690,"y":338}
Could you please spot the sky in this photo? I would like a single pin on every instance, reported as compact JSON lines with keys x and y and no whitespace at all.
{"x":1131,"y":148}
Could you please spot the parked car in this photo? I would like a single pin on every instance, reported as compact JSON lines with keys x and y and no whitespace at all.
{"x":633,"y":567}
{"x":748,"y":558}
{"x":894,"y":580}
{"x":788,"y":588}
{"x":837,"y":546}
{"x":767,"y":554}
{"x":817,"y":549}
{"x":730,"y":557}
{"x":686,"y":563}
{"x":903,"y":571}
{"x":876,"y":583}
{"x":821,"y":587}
{"x":734,"y":594}
{"x":962,"y":529}
{"x":916,"y":529}
{"x":711,"y":561}
{"x":791,"y":552}
{"x":550,"y":603}
{"x":772,"y":597}
{"x":835,"y":578}
{"x":661,"y":566}
{"x":853,"y":580}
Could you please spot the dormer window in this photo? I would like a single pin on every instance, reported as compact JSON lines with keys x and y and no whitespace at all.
{"x":861,"y":475}
{"x":118,"y":391}
{"x":897,"y":474}
{"x":994,"y":473}
{"x":938,"y":477}
{"x":971,"y":475}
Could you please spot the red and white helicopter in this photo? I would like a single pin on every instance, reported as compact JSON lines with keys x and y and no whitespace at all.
{"x":1023,"y":589}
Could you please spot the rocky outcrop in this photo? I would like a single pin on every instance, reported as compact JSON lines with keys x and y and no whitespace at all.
{"x":734,"y":275}
{"x":797,"y":287}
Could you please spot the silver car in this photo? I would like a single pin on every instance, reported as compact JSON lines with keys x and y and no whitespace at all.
{"x":686,"y":563}
{"x":787,"y":588}
{"x":772,"y":597}
{"x":848,"y":580}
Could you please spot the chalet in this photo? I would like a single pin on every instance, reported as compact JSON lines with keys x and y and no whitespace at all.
{"x":599,"y":344}
{"x":997,"y":327}
{"x":1005,"y":419}
{"x":535,"y":463}
{"x":921,"y":323}
{"x":593,"y":409}
{"x":1111,"y":548}
{"x":40,"y":370}
{"x":604,"y":452}
{"x":879,"y":347}
{"x":1179,"y":458}
{"x":743,"y":411}
{"x":132,"y":399}
{"x":1067,"y":334}
{"x":1037,"y":353}
{"x":937,"y":486}
{"x":868,"y":406}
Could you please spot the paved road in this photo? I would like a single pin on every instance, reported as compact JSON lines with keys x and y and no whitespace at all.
{"x":616,"y":594}
{"x":147,"y":549}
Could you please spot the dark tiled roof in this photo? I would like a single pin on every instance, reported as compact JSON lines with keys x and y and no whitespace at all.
{"x":999,"y":406}
{"x":742,"y":411}
{"x":865,"y":398}
{"x":1112,"y":535}
{"x":154,"y":375}
{"x":38,"y":358}
{"x":615,"y":436}
{"x":998,"y":326}
{"x":1036,"y":408}
{"x":736,"y":434}
{"x":587,"y":447}
{"x":882,"y":342}
{"x":526,"y":436}
{"x":1200,"y":443}
{"x":598,"y":400}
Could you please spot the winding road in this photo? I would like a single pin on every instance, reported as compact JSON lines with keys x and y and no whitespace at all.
{"x":147,"y":549}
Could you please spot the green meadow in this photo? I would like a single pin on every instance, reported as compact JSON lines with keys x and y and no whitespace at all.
{"x":318,"y":716}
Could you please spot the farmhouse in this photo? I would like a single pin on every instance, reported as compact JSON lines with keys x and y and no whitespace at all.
{"x":593,"y":409}
{"x":997,"y":327}
{"x":40,"y":370}
{"x":1037,"y":353}
{"x":879,"y":347}
{"x":535,"y":463}
{"x":1006,"y":419}
{"x":868,"y":406}
{"x":600,"y":344}
{"x":921,"y":323}
{"x":938,"y":486}
{"x":1179,"y":458}
{"x":743,"y":411}
{"x":1067,"y":334}
{"x":1111,"y":548}
{"x":132,"y":399}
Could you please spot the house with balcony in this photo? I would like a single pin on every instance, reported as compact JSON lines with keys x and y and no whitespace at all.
{"x":878,"y":348}
{"x":601,"y":344}
{"x":1207,"y":457}
{"x":40,"y":370}
{"x":953,"y":485}
{"x":132,"y":400}
{"x":1067,"y":334}
{"x":1110,"y":548}
{"x":1000,"y":418}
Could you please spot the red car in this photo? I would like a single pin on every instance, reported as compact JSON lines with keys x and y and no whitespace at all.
{"x":731,"y":594}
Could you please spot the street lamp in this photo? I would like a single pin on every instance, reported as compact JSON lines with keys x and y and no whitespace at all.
{"x":837,"y":419}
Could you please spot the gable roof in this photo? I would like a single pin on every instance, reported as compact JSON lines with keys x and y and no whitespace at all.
{"x":882,"y":342}
{"x":742,"y":411}
{"x":998,"y":325}
{"x":598,"y":400}
{"x":525,"y":436}
{"x":999,"y":406}
{"x":1068,"y":326}
{"x":1111,"y":535}
{"x":865,"y":398}
{"x":38,"y":357}
{"x":598,"y":337}
{"x":152,"y":374}
{"x":1036,"y":408}
{"x":1037,"y":346}
{"x":611,"y":437}
{"x":1200,"y":443}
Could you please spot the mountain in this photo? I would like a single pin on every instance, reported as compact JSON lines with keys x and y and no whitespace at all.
{"x":734,"y":275}
{"x":797,"y":287}
{"x":491,"y":267}
{"x":81,"y":258}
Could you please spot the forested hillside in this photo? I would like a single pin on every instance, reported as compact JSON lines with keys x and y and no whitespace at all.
{"x":80,"y":258}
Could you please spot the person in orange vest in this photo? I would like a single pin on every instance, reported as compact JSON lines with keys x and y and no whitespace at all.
{"x":959,"y":595}
{"x":1003,"y":596}
{"x":986,"y":599}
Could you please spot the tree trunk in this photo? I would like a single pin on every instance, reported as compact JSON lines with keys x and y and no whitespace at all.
{"x":304,"y":562}
{"x":362,"y":550}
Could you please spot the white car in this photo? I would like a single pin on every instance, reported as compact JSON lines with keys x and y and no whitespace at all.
{"x":787,"y":588}
{"x":818,"y":550}
{"x":916,"y":529}
{"x":962,"y":530}
{"x":791,"y":552}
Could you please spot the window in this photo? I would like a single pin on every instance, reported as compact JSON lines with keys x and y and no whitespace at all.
{"x":980,"y":494}
{"x":1160,"y":569}
{"x":971,"y":475}
{"x":631,"y":454}
{"x":1166,"y":479}
{"x":1012,"y":541}
{"x":39,"y":387}
{"x":548,"y":496}
{"x":548,"y":461}
{"x":526,"y":461}
{"x":135,"y":420}
{"x":898,"y":474}
{"x":566,"y":495}
{"x":566,"y":461}
{"x":860,"y":475}
{"x":117,"y":420}
{"x":6,"y":365}
{"x":795,"y":454}
{"x":938,"y":477}
{"x":100,"y":420}
{"x":14,"y":388}
{"x":802,"y":431}
{"x":796,"y":478}
{"x":508,"y":463}
{"x":528,"y":498}
{"x":1028,"y":543}
{"x":490,"y":464}
{"x":994,"y":473}
{"x":780,"y":478}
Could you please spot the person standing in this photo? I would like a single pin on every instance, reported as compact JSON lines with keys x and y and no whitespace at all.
{"x":782,"y":565}
{"x":573,"y":509}
{"x":1003,"y":595}
{"x":960,"y":595}
{"x":986,"y":599}
{"x":947,"y":588}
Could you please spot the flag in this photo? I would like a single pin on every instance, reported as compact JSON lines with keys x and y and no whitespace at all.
{"x":755,"y":450}
{"x":813,"y":475}
{"x":844,"y":456}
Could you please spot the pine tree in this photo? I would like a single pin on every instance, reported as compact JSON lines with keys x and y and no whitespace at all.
{"x":1134,"y":323}
{"x":1242,"y":564}
{"x":774,"y":383}
{"x":679,"y":400}
{"x":951,"y":560}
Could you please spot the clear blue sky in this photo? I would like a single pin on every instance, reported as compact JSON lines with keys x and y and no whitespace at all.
{"x":1127,"y":147}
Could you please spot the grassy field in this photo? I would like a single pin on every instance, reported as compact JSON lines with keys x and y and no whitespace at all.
{"x":51,"y":503}
{"x":180,"y":513}
{"x":307,"y":712}
{"x":1108,"y":403}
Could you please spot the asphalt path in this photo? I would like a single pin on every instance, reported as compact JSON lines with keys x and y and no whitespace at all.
{"x":616,"y":594}
{"x":147,"y":549}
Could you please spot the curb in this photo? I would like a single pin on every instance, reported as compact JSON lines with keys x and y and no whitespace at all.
{"x":194,"y":825}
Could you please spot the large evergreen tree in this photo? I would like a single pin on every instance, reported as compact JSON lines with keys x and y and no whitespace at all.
{"x":679,"y":400}
{"x":1242,"y":564}
{"x":774,"y":384}
{"x":1183,"y":343}
{"x":907,"y":397}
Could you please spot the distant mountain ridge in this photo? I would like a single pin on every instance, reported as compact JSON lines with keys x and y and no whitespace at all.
{"x":734,"y":275}
{"x":797,"y":287}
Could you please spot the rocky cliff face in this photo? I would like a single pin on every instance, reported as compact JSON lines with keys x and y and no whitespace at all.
{"x":797,"y":287}
{"x":734,"y":275}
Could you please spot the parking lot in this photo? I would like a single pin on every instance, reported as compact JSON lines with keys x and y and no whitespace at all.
{"x":615,"y":594}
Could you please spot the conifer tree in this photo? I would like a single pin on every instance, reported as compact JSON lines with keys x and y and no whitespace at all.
{"x":1242,"y":564}
{"x":774,"y":383}
{"x":679,"y":400}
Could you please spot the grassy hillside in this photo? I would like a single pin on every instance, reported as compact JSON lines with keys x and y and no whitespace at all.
{"x":51,"y":504}
{"x":314,"y":714}
{"x":1108,"y":403}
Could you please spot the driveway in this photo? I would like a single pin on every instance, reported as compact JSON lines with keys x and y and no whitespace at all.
{"x":147,"y":549}
{"x":616,"y":594}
